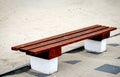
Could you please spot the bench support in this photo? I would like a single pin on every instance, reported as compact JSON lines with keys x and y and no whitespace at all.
{"x":48,"y":54}
{"x":47,"y":61}
{"x":98,"y":43}
{"x":44,"y":65}
{"x":95,"y":46}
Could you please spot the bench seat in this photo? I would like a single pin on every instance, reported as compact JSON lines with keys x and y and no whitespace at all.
{"x":50,"y":47}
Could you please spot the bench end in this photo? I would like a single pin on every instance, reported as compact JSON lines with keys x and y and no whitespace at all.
{"x":14,"y":48}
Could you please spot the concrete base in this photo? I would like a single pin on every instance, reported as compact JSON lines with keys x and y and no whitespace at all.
{"x":43,"y":65}
{"x":95,"y":46}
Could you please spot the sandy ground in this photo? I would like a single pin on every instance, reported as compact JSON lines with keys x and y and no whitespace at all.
{"x":27,"y":20}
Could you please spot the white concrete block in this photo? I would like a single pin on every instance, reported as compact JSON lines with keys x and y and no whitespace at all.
{"x":96,"y":46}
{"x":43,"y":65}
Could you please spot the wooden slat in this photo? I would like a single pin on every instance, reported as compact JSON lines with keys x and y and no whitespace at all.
{"x":62,"y":38}
{"x":66,"y":42}
{"x":53,"y":37}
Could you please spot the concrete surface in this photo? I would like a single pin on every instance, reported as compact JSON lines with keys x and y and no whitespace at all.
{"x":27,"y":20}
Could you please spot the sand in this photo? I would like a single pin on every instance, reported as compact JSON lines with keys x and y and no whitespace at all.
{"x":22,"y":21}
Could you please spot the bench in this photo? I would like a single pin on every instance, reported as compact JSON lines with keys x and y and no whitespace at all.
{"x":45,"y":52}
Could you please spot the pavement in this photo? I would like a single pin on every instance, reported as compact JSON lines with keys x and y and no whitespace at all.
{"x":23,"y":21}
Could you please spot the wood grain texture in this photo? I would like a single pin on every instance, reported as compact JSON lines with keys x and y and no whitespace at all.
{"x":61,"y":39}
{"x":53,"y":37}
{"x":50,"y":47}
{"x":66,"y":42}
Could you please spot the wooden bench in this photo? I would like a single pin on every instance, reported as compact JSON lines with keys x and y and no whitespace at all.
{"x":50,"y":48}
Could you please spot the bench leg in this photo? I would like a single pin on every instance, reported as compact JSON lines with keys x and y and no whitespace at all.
{"x":44,"y":65}
{"x":95,"y":46}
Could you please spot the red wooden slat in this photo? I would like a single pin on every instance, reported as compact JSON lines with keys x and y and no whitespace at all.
{"x":62,"y":39}
{"x":66,"y":42}
{"x":53,"y":37}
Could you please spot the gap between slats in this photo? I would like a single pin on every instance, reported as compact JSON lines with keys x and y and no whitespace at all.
{"x":53,"y":37}
{"x":62,"y":39}
{"x":38,"y":50}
